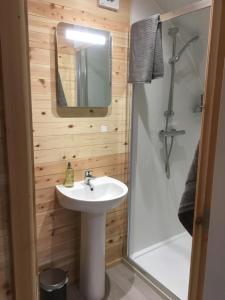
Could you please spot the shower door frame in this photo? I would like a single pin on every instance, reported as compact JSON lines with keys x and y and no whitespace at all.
{"x":209,"y":129}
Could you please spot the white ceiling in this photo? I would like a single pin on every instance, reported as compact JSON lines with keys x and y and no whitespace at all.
{"x":168,"y":5}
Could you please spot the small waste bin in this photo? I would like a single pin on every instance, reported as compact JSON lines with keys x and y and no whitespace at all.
{"x":53,"y":284}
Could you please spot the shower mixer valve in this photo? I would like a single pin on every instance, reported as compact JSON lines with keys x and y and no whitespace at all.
{"x":171,"y":133}
{"x":165,"y":135}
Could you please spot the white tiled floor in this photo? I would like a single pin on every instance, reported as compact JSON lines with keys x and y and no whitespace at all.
{"x":169,"y":263}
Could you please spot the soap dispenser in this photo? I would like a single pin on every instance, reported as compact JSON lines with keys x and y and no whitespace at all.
{"x":69,"y":178}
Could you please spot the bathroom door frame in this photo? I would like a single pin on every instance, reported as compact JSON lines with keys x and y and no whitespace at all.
{"x":15,"y":79}
{"x":209,"y":139}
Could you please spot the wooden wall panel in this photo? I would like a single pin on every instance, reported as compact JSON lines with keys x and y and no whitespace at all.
{"x":6,"y":281}
{"x":58,"y":140}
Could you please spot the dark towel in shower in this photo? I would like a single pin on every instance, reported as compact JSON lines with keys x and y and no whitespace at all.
{"x":187,"y":205}
{"x":146,"y":54}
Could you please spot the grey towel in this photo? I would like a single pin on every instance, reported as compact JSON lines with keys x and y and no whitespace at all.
{"x":187,"y":205}
{"x":146,"y":54}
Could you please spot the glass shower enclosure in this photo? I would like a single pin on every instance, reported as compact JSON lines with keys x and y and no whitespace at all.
{"x":166,"y":118}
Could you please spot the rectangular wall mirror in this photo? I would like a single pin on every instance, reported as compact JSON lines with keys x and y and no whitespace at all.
{"x":83,"y":66}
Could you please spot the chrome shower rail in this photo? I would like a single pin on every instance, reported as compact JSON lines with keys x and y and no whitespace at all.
{"x":168,"y":134}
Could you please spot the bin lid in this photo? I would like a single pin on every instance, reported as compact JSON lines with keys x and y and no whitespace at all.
{"x":53,"y":279}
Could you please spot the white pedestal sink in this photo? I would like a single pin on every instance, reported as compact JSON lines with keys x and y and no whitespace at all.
{"x":107,"y":194}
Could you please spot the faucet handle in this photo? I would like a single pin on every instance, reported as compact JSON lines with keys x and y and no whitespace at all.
{"x":88,"y":173}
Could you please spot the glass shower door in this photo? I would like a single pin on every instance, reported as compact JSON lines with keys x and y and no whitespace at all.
{"x":165,"y":134}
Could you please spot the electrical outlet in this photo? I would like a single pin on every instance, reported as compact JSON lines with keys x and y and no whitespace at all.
{"x":110,"y":4}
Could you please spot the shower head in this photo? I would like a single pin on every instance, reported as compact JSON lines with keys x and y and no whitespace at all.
{"x":194,"y":38}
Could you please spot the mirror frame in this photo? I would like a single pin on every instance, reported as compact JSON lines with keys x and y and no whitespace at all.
{"x":69,"y":111}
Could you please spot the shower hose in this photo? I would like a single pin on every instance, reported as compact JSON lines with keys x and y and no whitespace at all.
{"x":168,"y":151}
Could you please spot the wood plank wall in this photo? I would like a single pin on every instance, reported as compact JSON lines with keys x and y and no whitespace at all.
{"x":6,"y":282}
{"x":58,"y":140}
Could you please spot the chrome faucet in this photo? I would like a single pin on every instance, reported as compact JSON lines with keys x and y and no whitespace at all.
{"x":87,"y":179}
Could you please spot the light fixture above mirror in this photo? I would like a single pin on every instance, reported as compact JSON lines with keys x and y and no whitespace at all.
{"x":85,"y":37}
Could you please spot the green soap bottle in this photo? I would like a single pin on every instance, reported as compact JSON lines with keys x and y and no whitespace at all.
{"x":69,"y":178}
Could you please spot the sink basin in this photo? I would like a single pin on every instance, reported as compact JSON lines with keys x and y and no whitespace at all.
{"x":107,"y":193}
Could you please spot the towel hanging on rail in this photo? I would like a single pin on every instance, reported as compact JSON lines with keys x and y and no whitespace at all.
{"x":146,"y":54}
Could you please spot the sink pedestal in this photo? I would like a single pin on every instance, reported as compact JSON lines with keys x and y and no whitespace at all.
{"x":92,"y":263}
{"x":106,"y":194}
